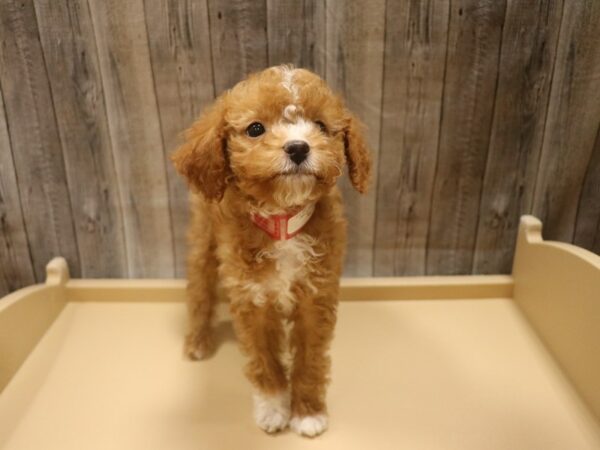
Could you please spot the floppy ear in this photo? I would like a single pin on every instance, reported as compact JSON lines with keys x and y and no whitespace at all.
{"x":201,"y":159}
{"x":357,"y":155}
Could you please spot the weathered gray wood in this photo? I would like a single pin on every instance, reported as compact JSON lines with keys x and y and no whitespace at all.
{"x":572,"y":122}
{"x":471,"y":72}
{"x":16,"y":269}
{"x":296,"y":33}
{"x":587,"y":227}
{"x":135,"y":133}
{"x":69,"y":48}
{"x":181,"y":63}
{"x":510,"y":125}
{"x":355,"y":46}
{"x":529,"y":44}
{"x":35,"y":143}
{"x":238,"y":31}
{"x":416,"y":35}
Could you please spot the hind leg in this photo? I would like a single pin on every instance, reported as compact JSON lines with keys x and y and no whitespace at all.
{"x":201,"y":301}
{"x":201,"y":290}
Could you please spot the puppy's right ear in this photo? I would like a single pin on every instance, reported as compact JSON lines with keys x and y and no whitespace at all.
{"x":201,"y":159}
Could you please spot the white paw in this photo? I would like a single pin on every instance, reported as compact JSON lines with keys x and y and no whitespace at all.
{"x":195,"y":353}
{"x":272,"y":412}
{"x":196,"y":348}
{"x":309,"y":425}
{"x":198,"y":354}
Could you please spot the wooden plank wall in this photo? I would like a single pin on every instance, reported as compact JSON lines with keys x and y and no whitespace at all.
{"x":477,"y":111}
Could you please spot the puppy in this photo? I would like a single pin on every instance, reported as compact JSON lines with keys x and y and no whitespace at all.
{"x":268,"y":225}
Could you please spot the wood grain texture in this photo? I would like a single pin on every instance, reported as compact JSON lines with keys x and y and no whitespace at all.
{"x":135,"y":132}
{"x":181,"y":63}
{"x":69,"y":48}
{"x":477,"y":111}
{"x":415,"y":52}
{"x":238,"y":31}
{"x":471,"y":71}
{"x":35,"y":142}
{"x":529,"y":42}
{"x":296,"y":33}
{"x":16,"y":268}
{"x":587,"y":227}
{"x":355,"y":47}
{"x":572,"y":123}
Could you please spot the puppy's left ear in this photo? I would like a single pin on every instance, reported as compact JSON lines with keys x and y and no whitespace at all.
{"x":357,"y":155}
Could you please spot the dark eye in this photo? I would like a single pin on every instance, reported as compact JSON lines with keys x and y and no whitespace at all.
{"x":255,"y":129}
{"x":322,"y":126}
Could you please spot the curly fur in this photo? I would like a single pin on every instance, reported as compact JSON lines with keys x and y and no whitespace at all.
{"x":283,"y":294}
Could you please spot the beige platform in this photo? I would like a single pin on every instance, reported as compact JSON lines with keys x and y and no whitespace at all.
{"x":493,"y":362}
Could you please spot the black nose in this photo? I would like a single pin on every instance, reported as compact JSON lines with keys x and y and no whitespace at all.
{"x":298,"y":150}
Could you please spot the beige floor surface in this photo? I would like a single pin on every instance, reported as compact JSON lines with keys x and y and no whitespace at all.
{"x":459,"y":374}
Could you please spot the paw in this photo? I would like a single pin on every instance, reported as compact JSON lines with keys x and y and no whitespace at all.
{"x":197,"y":347}
{"x":310,"y":426}
{"x":271,"y":412}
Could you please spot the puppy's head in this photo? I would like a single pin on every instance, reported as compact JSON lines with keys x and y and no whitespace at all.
{"x":280,"y":135}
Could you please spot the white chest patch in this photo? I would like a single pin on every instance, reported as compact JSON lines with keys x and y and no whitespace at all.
{"x":292,"y":259}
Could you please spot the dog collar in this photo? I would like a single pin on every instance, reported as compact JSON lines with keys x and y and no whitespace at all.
{"x":282,"y":227}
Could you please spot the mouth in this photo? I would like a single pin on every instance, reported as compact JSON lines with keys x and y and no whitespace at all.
{"x":296,"y":171}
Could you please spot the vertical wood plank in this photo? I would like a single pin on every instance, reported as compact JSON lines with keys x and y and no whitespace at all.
{"x":471,"y":71}
{"x":355,"y":46}
{"x":416,"y":37}
{"x":587,"y":228}
{"x":529,"y":44}
{"x":35,"y":142}
{"x":69,"y":48}
{"x":181,"y":62}
{"x":296,"y":33}
{"x":238,"y":31}
{"x":16,"y":269}
{"x":135,"y":133}
{"x":572,"y":122}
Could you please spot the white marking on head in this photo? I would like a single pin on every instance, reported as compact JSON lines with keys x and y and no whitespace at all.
{"x":287,"y":72}
{"x":290,"y":113}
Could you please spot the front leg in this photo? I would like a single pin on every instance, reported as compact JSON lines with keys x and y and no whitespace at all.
{"x":314,"y":322}
{"x":260,"y":332}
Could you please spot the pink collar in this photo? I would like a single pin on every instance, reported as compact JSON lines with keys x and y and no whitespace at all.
{"x":282,"y":227}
